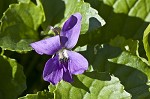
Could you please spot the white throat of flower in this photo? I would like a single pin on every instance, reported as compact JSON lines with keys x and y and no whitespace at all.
{"x":63,"y":55}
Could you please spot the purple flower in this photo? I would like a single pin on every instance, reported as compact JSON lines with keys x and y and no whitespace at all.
{"x":66,"y":62}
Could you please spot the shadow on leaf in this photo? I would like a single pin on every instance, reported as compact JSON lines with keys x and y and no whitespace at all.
{"x":54,"y":12}
{"x":94,"y":75}
{"x":78,"y":84}
{"x":94,"y":24}
{"x":103,"y":76}
{"x":133,"y":80}
{"x":130,"y":69}
{"x":116,"y":24}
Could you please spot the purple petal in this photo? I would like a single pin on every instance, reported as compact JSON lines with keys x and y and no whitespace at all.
{"x":77,"y":63}
{"x":67,"y":76}
{"x":70,"y":32}
{"x":53,"y":71}
{"x":47,"y":46}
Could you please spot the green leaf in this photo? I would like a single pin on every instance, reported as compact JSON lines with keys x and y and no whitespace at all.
{"x":139,"y":73}
{"x":19,"y":26}
{"x":133,"y":73}
{"x":24,"y":1}
{"x":51,"y":88}
{"x":127,"y":18}
{"x":90,"y":18}
{"x":146,"y":42}
{"x":80,"y":48}
{"x":54,"y":12}
{"x":126,"y":45}
{"x":4,"y":4}
{"x":12,"y":78}
{"x":39,"y":95}
{"x":92,"y":86}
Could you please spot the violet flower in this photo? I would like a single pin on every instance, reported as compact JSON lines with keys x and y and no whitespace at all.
{"x":65,"y":62}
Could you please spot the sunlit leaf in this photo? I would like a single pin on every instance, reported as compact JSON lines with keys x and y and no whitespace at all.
{"x":19,"y":26}
{"x":128,"y":18}
{"x":92,"y":86}
{"x":90,"y":18}
{"x":146,"y":42}
{"x":39,"y":95}
{"x":133,"y":73}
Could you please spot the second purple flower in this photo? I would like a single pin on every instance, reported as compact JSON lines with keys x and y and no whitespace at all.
{"x":66,"y":62}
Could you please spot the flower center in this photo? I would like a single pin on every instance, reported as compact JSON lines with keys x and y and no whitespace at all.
{"x":63,"y":56}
